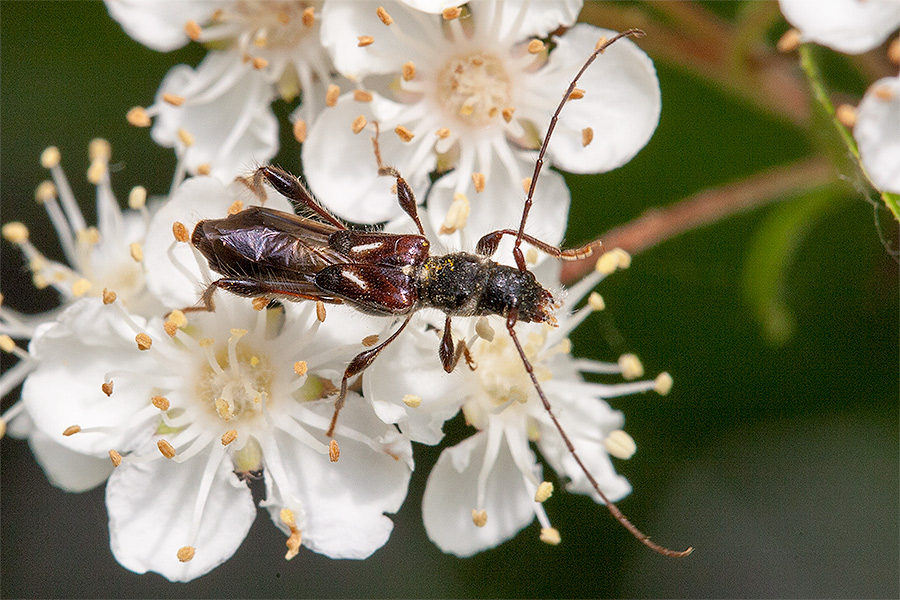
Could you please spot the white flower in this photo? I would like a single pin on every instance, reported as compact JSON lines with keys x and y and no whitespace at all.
{"x":474,"y":99}
{"x":851,"y":26}
{"x":877,"y":133}
{"x":482,"y":491}
{"x":218,"y":115}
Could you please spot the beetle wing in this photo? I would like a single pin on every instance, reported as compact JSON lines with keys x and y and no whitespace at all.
{"x":370,"y":288}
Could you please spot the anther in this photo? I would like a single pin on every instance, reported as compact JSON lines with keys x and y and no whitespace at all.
{"x":507,"y":113}
{"x":789,"y":41}
{"x":259,"y":63}
{"x":136,"y":252}
{"x":403,"y":133}
{"x":186,"y":138}
{"x":177,"y":318}
{"x":544,"y":491}
{"x":193,"y":30}
{"x":531,"y":256}
{"x":287,"y":517}
{"x":165,"y":448}
{"x":383,"y":15}
{"x":479,"y":517}
{"x":631,"y":366}
{"x":370,"y":340}
{"x":204,"y":169}
{"x":15,"y":232}
{"x":587,"y":136}
{"x":484,"y":330}
{"x":229,"y":436}
{"x":412,"y":401}
{"x":362,"y":96}
{"x":299,"y":130}
{"x":50,"y":157}
{"x":71,"y":430}
{"x":45,"y":192}
{"x":526,"y":184}
{"x":332,"y":94}
{"x":138,"y":117}
{"x":143,"y":341}
{"x":186,"y":553}
{"x":2,"y":428}
{"x":137,"y":197}
{"x":115,"y":457}
{"x":623,"y":259}
{"x":457,"y":214}
{"x":595,"y":301}
{"x":99,"y":149}
{"x":883,"y":93}
{"x":478,"y":181}
{"x":293,"y":542}
{"x":259,"y":303}
{"x":180,"y":232}
{"x":607,"y":263}
{"x":320,"y":311}
{"x":7,"y":344}
{"x":359,"y":124}
{"x":309,"y":16}
{"x":846,"y":115}
{"x":550,"y":535}
{"x":894,"y":51}
{"x":160,"y":402}
{"x":662,"y":385}
{"x":89,"y":236}
{"x":224,"y":410}
{"x":236,"y":207}
{"x":601,"y":42}
{"x":408,"y":70}
{"x":577,"y":94}
{"x":365,"y":40}
{"x":300,"y":367}
{"x":442,"y":133}
{"x":96,"y":171}
{"x":334,"y":451}
{"x":451,"y":13}
{"x":620,"y":444}
{"x":81,"y":287}
{"x":535,"y":46}
{"x":107,"y":387}
{"x":173,"y":99}
{"x":170,"y":328}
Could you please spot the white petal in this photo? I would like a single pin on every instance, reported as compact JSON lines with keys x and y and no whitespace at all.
{"x":345,"y":502}
{"x":159,"y":24}
{"x":621,"y":104}
{"x":151,"y":509}
{"x":344,"y":21}
{"x":521,"y":19}
{"x":432,"y":6}
{"x":341,"y":168}
{"x":226,"y":111}
{"x":877,"y":133}
{"x":66,"y":469}
{"x":180,"y":284}
{"x":450,"y":497}
{"x":851,"y":26}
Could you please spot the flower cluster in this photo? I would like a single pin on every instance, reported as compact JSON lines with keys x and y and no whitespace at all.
{"x":176,"y":408}
{"x":854,"y":27}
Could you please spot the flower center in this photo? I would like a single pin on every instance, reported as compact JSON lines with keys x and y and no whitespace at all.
{"x":274,"y":23}
{"x":236,"y":383}
{"x":474,"y":88}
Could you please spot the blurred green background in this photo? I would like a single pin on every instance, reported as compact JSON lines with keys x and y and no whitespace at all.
{"x":777,"y":462}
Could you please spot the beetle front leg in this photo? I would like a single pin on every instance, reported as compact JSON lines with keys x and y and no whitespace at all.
{"x":405,"y":196}
{"x":449,"y":356}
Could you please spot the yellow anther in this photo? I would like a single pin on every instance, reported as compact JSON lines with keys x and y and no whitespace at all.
{"x":137,"y":197}
{"x":662,"y":385}
{"x":309,"y":16}
{"x":846,"y":115}
{"x":160,"y":402}
{"x":332,"y":94}
{"x":535,"y":46}
{"x":50,"y":157}
{"x":630,"y":366}
{"x":451,"y":13}
{"x":403,"y":133}
{"x":883,"y":93}
{"x":383,"y":15}
{"x":143,"y":341}
{"x":365,"y":40}
{"x":71,"y":430}
{"x":623,"y":259}
{"x":81,"y":287}
{"x":544,"y":491}
{"x":595,"y":301}
{"x":237,"y":333}
{"x":479,"y":517}
{"x":193,"y":30}
{"x":362,"y":96}
{"x":186,"y":138}
{"x":577,"y":94}
{"x":229,"y":436}
{"x":186,"y":553}
{"x":99,"y":149}
{"x":224,"y":410}
{"x":259,"y":303}
{"x":173,"y":99}
{"x":7,"y":344}
{"x":601,"y":42}
{"x":206,"y":342}
{"x":484,"y":330}
{"x":2,"y":428}
{"x":15,"y":232}
{"x":320,"y":311}
{"x":507,"y":113}
{"x":412,"y":401}
{"x":620,"y":444}
{"x":300,"y":368}
{"x":334,"y":451}
{"x":115,"y":457}
{"x":358,"y":124}
{"x":442,"y":133}
{"x":457,"y":214}
{"x":408,"y":70}
{"x":370,"y":340}
{"x":587,"y":136}
{"x":177,"y":318}
{"x":254,"y":361}
{"x":180,"y":232}
{"x":96,"y":171}
{"x":789,"y":41}
{"x":107,"y":387}
{"x":526,"y":184}
{"x":550,"y":535}
{"x":138,"y":117}
{"x":607,"y":263}
{"x":259,"y":63}
{"x":204,"y":169}
{"x":236,"y":207}
{"x":45,"y":192}
{"x":894,"y":51}
{"x":531,"y":256}
{"x":299,"y":130}
{"x":293,"y":544}
{"x":478,"y":181}
{"x":89,"y":236}
{"x":136,"y":252}
{"x":287,"y":517}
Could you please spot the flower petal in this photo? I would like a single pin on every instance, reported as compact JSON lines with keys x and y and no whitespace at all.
{"x":877,"y":133}
{"x":621,"y":105}
{"x":151,"y":511}
{"x":66,"y":469}
{"x":159,"y":24}
{"x":521,"y":19}
{"x":851,"y":26}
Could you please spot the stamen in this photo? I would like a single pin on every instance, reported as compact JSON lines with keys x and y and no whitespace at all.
{"x":186,"y":553}
{"x":259,"y":63}
{"x":846,"y":115}
{"x":620,"y":444}
{"x":358,"y":124}
{"x":138,"y":117}
{"x":365,"y":40}
{"x":662,"y":385}
{"x":383,"y":15}
{"x":115,"y":457}
{"x":331,"y":95}
{"x":136,"y":252}
{"x":71,"y":430}
{"x":587,"y":136}
{"x":403,"y":133}
{"x":451,"y":13}
{"x":107,"y":388}
{"x":81,"y":287}
{"x":535,"y":46}
{"x":412,"y":401}
{"x":229,"y":436}
{"x":300,"y":368}
{"x":180,"y":232}
{"x":143,"y":341}
{"x":457,"y":214}
{"x":479,"y":517}
{"x":544,"y":491}
{"x":166,"y":449}
{"x":193,"y":30}
{"x":362,"y":96}
{"x":160,"y":402}
{"x":595,"y":301}
{"x":137,"y":197}
{"x":607,"y":263}
{"x":408,"y":70}
{"x":442,"y":133}
{"x":631,"y":366}
{"x":550,"y":535}
{"x":236,"y":207}
{"x":173,"y":99}
{"x":15,"y":232}
{"x":293,"y":542}
{"x":320,"y":311}
{"x":478,"y":181}
{"x":790,"y":41}
{"x":177,"y":318}
{"x":309,"y":16}
{"x":334,"y":451}
{"x":300,"y":130}
{"x":508,"y":113}
{"x":186,"y":138}
{"x":50,"y":157}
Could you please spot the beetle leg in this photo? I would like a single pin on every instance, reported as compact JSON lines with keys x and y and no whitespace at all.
{"x":359,"y":364}
{"x":405,"y":196}
{"x":449,"y":356}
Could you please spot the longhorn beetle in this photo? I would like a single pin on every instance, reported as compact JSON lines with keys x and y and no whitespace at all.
{"x":266,"y":253}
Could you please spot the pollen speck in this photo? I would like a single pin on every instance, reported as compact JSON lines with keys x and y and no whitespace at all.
{"x":223,"y":409}
{"x":143,"y":341}
{"x":479,"y":517}
{"x":577,"y":94}
{"x":587,"y":136}
{"x":186,"y":553}
{"x":334,"y":451}
{"x":165,"y":448}
{"x":71,"y":430}
{"x":259,"y":63}
{"x":601,"y":42}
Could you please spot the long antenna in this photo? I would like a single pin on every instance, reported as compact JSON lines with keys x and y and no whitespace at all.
{"x":517,"y":250}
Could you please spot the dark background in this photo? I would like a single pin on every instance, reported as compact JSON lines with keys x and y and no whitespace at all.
{"x":778,"y":462}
